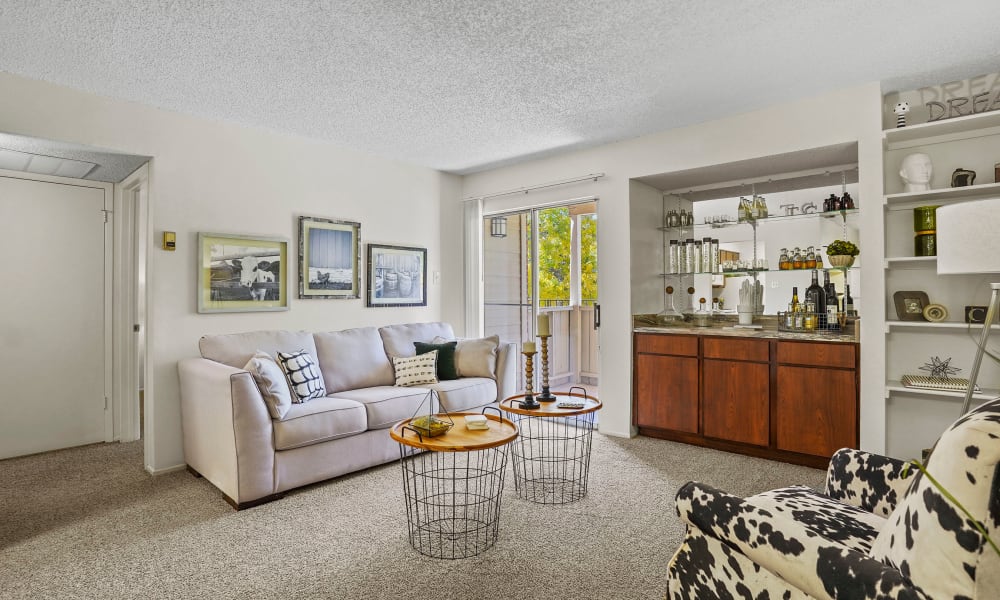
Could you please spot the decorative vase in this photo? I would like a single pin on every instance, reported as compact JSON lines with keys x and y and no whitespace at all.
{"x":841,"y":260}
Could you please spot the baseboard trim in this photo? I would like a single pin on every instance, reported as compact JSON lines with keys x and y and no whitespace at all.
{"x":166,"y":470}
{"x":614,"y":433}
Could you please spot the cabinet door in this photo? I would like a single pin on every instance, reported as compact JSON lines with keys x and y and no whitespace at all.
{"x":667,"y":392}
{"x":817,"y":410}
{"x":736,"y":401}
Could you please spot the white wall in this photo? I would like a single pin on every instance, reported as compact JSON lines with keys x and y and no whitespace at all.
{"x":847,"y":115}
{"x":219,"y":177}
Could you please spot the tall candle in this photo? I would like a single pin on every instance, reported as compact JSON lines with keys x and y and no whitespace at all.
{"x":528,"y":347}
{"x":544,"y":325}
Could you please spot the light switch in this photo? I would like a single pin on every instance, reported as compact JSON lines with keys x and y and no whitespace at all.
{"x":436,"y":277}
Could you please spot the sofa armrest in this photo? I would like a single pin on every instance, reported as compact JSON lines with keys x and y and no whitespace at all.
{"x":868,"y":481}
{"x":506,"y":370}
{"x":819,"y":567}
{"x":227,"y":430}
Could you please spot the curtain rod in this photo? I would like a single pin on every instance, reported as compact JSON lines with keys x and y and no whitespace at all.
{"x":525,"y":190}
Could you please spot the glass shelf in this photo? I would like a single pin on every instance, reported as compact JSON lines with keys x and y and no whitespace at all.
{"x":777,"y":218}
{"x":757,"y":271}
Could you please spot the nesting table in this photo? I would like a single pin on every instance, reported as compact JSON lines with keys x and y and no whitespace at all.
{"x":552,"y":453}
{"x":453,"y":483}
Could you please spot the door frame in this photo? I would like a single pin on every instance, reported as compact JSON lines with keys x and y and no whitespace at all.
{"x":108,"y":189}
{"x":131,"y":301}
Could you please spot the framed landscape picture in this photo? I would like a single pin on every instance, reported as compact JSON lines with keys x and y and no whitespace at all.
{"x":329,"y":258}
{"x":397,"y":276}
{"x":239,"y":273}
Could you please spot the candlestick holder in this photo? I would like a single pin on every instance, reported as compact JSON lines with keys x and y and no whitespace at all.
{"x":529,"y":398}
{"x":546,"y":395}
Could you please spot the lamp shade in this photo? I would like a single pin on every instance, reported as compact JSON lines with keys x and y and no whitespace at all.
{"x":968,"y":237}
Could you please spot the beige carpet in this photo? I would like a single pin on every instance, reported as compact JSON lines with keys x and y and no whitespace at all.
{"x":90,"y":523}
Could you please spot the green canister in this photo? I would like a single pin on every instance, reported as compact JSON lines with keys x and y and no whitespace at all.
{"x":925,"y":218}
{"x":925,"y":231}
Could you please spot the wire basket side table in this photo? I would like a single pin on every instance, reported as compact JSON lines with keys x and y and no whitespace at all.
{"x":452,"y":486}
{"x":551,"y":458}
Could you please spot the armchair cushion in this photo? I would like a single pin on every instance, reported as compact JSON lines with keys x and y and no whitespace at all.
{"x":869,"y":481}
{"x":784,"y":546}
{"x":927,"y":537}
{"x":475,"y":357}
{"x":271,"y":382}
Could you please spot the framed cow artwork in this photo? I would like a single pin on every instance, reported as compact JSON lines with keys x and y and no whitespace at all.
{"x":329,"y":258}
{"x":240,"y":273}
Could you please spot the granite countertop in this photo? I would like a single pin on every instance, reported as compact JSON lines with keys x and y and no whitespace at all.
{"x":726,"y":327}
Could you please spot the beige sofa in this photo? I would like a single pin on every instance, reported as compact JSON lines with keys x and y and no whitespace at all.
{"x":232,"y":440}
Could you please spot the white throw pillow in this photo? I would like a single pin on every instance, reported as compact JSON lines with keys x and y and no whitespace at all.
{"x":304,"y":378}
{"x":271,"y":382}
{"x":475,"y":357}
{"x":416,"y":370}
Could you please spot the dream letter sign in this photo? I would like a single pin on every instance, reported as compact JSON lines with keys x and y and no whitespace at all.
{"x":963,"y":106}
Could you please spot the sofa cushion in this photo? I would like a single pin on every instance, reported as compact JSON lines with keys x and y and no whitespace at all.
{"x":398,"y":339}
{"x":304,"y":379}
{"x":415,"y":370}
{"x":271,"y":382}
{"x":353,"y":359}
{"x":467,"y":393}
{"x":476,"y":357}
{"x":446,"y":367}
{"x":387,"y":405}
{"x":319,"y":420}
{"x":235,"y":349}
{"x":838,"y":522}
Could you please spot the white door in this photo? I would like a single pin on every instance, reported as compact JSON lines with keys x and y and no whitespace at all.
{"x":52,"y":316}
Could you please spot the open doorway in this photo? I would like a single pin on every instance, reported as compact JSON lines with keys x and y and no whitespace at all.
{"x":543,"y":261}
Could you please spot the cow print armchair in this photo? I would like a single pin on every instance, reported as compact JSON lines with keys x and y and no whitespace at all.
{"x":878,"y":530}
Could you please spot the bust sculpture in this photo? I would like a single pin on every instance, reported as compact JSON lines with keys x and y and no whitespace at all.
{"x":916,"y":170}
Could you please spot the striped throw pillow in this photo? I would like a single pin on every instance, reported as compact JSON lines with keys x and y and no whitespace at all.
{"x":304,"y":377}
{"x":416,"y":370}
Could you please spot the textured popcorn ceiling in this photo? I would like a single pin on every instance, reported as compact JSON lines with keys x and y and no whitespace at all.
{"x":464,"y":85}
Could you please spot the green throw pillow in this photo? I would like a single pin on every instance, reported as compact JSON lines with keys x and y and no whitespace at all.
{"x":446,"y":368}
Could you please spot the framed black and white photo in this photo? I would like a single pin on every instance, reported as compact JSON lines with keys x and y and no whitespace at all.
{"x":329,"y":258}
{"x":240,"y":273}
{"x":397,"y":276}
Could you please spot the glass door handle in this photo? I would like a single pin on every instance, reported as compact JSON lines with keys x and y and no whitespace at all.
{"x":597,"y":316}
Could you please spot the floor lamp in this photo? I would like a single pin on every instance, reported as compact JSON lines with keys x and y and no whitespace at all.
{"x":968,"y":243}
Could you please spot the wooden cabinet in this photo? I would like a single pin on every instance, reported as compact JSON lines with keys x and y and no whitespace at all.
{"x":795,"y":401}
{"x":667,"y":392}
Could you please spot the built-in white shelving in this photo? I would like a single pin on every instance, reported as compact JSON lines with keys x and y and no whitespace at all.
{"x":945,"y":130}
{"x":911,"y":262}
{"x":940,"y":326}
{"x":896,"y":387}
{"x":909,"y":200}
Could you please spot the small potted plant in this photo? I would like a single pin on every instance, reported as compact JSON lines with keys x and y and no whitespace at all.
{"x":842,"y":253}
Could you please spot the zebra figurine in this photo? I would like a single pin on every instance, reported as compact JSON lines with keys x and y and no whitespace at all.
{"x":901,"y":109}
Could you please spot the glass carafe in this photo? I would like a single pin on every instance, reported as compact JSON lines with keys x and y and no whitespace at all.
{"x":797,"y":261}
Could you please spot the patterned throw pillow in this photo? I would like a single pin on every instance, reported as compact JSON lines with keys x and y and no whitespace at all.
{"x":446,"y":367}
{"x":415,"y":370}
{"x":271,"y":382}
{"x":304,"y":378}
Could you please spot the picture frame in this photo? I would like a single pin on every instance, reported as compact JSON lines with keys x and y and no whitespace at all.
{"x":242,"y":273}
{"x":329,"y":258}
{"x":397,"y":276}
{"x":910,"y":305}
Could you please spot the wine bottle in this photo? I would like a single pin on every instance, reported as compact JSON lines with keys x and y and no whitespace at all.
{"x":848,"y":301}
{"x":795,"y":299}
{"x":832,"y":305}
{"x":817,"y":297}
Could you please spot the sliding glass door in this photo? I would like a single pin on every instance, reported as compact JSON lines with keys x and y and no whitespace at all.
{"x":544,"y":261}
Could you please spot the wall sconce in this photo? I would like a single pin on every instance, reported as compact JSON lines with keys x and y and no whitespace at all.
{"x":498,"y":227}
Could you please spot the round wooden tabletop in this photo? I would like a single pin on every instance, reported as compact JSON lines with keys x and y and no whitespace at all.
{"x":459,"y":438}
{"x":551,"y":409}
